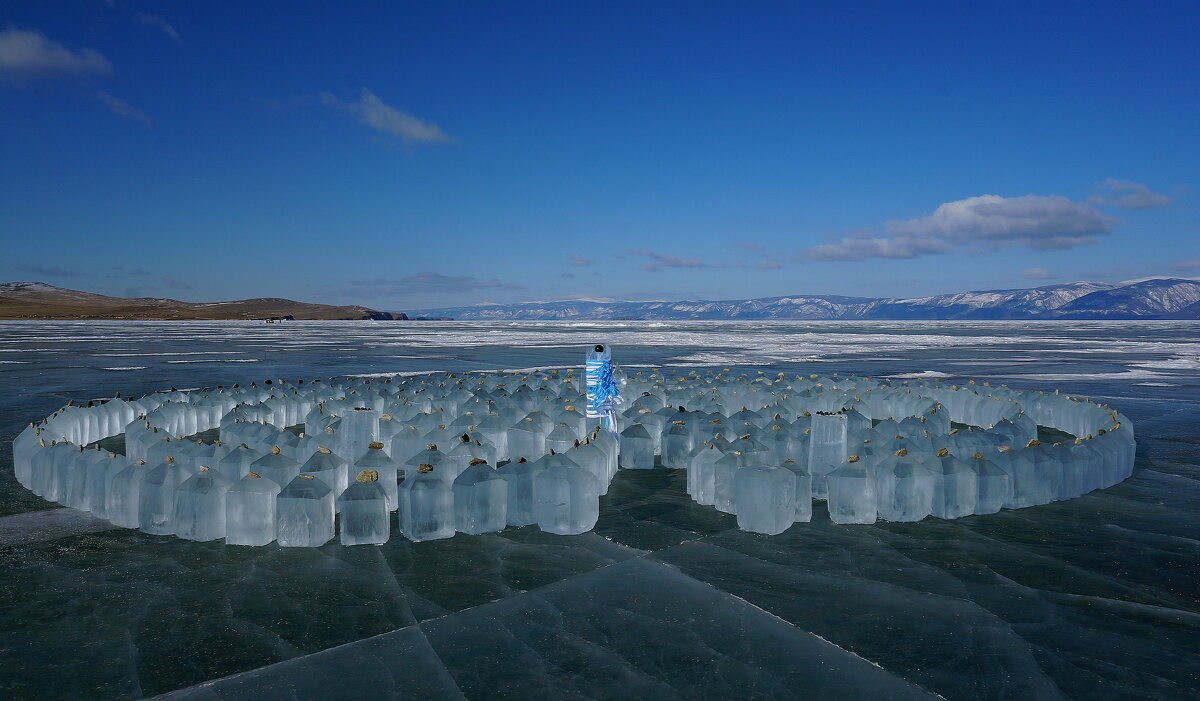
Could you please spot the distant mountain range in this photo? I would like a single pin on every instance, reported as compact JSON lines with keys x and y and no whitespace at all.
{"x":1155,"y":298}
{"x":37,"y":300}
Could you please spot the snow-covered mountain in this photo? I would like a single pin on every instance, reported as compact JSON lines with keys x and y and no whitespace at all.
{"x":1140,"y":299}
{"x":1156,"y":298}
{"x":990,"y":304}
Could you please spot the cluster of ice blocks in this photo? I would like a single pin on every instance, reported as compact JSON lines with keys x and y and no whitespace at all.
{"x":299,"y":463}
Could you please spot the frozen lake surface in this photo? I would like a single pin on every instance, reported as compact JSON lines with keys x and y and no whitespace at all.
{"x":1096,"y":597}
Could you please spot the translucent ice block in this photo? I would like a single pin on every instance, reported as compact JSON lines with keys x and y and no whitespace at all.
{"x":200,"y":505}
{"x":766,"y":499}
{"x":250,"y":511}
{"x":566,"y":500}
{"x":426,"y":505}
{"x":480,"y":499}
{"x":156,"y":506}
{"x":852,"y":497}
{"x":365,"y":517}
{"x":304,"y":513}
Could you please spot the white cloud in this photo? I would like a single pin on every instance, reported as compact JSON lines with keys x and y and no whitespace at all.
{"x":120,"y":107}
{"x":1186,"y":265}
{"x":859,"y":248}
{"x":26,"y":54}
{"x":579,"y":261}
{"x":373,"y":112}
{"x":160,"y":24}
{"x":1037,"y":274}
{"x":1037,"y":221}
{"x":987,"y":221}
{"x":1128,"y":194}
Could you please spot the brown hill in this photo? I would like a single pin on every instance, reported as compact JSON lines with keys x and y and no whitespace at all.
{"x":37,"y":300}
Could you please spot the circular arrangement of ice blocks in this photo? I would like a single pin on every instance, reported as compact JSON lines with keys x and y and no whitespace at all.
{"x":304,"y":463}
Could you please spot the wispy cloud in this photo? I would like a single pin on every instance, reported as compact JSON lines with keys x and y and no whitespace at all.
{"x":424,"y":282}
{"x":158,"y":23}
{"x":765,"y":260}
{"x":985,"y":222}
{"x":1037,"y":274}
{"x":50,"y":270}
{"x":122,"y":108}
{"x":173,"y":284}
{"x":1186,"y":265}
{"x":579,"y":261}
{"x":27,"y":54}
{"x":373,"y":112}
{"x":120,"y":271}
{"x":1128,"y":195}
{"x":658,"y":261}
{"x":163,"y":283}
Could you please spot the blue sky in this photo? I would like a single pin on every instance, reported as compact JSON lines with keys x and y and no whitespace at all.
{"x":414,"y":155}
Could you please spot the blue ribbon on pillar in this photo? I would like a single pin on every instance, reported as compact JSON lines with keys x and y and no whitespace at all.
{"x":602,"y":389}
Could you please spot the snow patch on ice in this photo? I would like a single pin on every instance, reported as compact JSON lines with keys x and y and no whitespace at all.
{"x":1180,"y":363}
{"x":218,"y":360}
{"x":407,"y":373}
{"x":147,"y":355}
{"x":1127,"y":375}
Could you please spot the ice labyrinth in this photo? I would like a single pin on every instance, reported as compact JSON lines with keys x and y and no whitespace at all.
{"x":476,"y":452}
